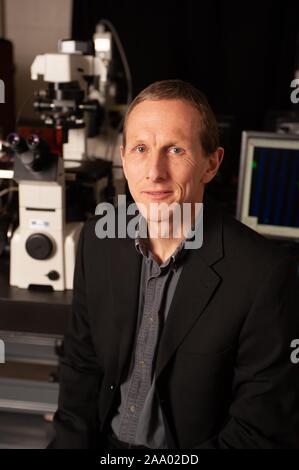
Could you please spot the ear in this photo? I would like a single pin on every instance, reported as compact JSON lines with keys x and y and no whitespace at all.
{"x":213,"y":164}
{"x":122,"y":155}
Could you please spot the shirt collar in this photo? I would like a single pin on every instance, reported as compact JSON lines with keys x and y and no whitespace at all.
{"x":141,"y":245}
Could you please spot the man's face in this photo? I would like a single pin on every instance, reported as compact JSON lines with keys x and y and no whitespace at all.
{"x":163,"y":159}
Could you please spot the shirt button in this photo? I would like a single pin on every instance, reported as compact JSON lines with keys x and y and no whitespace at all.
{"x":112,"y":387}
{"x":132,"y":408}
{"x":151,"y":320}
{"x":142,"y":363}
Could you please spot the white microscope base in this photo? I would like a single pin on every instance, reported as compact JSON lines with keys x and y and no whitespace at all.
{"x":26,"y":271}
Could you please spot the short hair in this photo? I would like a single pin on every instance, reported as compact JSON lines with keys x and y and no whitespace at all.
{"x":181,"y":90}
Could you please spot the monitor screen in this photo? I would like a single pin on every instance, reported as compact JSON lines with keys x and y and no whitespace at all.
{"x":268,"y":192}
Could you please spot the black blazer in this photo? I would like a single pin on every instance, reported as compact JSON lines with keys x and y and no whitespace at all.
{"x":224,"y":375}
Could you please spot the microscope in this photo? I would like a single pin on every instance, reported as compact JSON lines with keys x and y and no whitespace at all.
{"x":74,"y":104}
{"x":43,"y":246}
{"x":79,"y":92}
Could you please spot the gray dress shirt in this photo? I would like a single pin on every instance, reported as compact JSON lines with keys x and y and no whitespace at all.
{"x":139,"y":420}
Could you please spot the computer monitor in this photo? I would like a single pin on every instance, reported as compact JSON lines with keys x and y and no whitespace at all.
{"x":268,"y":191}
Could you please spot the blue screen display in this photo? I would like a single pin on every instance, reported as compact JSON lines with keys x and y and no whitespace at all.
{"x":274,"y":195}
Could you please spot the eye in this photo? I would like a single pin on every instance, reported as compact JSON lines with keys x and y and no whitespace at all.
{"x":140,"y":149}
{"x":176,"y":150}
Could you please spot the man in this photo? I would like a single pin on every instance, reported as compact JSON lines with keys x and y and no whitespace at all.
{"x":170,"y":347}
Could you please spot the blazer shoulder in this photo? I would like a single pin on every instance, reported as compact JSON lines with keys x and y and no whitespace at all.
{"x":250,"y":246}
{"x":101,"y":230}
{"x":90,"y":226}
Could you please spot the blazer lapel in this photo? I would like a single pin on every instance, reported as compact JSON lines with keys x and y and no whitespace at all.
{"x":125,"y":269}
{"x":197,"y":284}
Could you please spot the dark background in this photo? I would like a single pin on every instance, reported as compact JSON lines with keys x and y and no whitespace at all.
{"x":242,"y":55}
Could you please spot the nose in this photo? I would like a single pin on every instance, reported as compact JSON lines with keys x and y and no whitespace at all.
{"x":157,"y":166}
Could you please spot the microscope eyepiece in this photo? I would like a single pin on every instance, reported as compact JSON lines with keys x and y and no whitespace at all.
{"x":33,"y":141}
{"x":13,"y":140}
{"x":16,"y":142}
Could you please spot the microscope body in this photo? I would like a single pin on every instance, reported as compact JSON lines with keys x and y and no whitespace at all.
{"x":78,"y":87}
{"x":43,"y":247}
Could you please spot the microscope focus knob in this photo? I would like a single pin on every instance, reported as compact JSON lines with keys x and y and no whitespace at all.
{"x":53,"y":275}
{"x":39,"y":246}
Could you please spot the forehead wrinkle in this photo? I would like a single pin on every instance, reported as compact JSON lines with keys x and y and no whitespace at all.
{"x":171,"y":136}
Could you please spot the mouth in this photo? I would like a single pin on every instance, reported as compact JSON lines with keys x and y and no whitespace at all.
{"x":157,"y":195}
